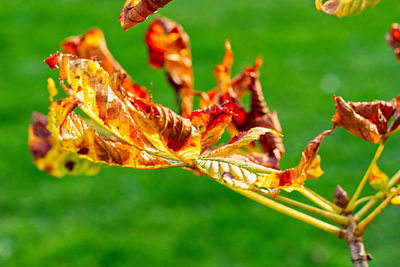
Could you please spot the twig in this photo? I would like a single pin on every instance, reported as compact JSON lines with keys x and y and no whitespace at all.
{"x":351,"y":205}
{"x":357,"y":251}
{"x":320,"y":201}
{"x":336,"y":218}
{"x":291,"y":212}
{"x":363,"y":224}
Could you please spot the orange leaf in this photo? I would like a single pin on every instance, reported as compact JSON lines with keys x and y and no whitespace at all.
{"x":169,"y":47}
{"x":136,"y":11}
{"x":92,"y":45}
{"x":77,"y":137}
{"x":308,"y":167}
{"x":211,"y":123}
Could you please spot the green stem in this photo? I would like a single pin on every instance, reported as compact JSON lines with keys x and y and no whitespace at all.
{"x":291,"y":212}
{"x":351,"y":205}
{"x":364,"y":199}
{"x":377,"y":196}
{"x":336,"y":218}
{"x":364,"y":223}
{"x":320,"y":201}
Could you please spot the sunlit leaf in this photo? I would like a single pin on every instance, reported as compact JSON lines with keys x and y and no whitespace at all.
{"x":51,"y":157}
{"x":240,"y":140}
{"x":136,"y":121}
{"x":169,"y":47}
{"x":211,"y":123}
{"x":84,"y":141}
{"x":136,"y":11}
{"x":367,"y":120}
{"x":377,"y":179}
{"x":92,"y":45}
{"x":233,"y":171}
{"x":294,"y":178}
{"x":341,"y":8}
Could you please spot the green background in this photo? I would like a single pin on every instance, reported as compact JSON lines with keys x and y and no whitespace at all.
{"x":125,"y":217}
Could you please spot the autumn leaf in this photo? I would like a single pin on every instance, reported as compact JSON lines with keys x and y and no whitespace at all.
{"x":393,"y":39}
{"x":240,"y":140}
{"x":367,"y":120}
{"x":396,"y":200}
{"x":211,"y":123}
{"x":136,"y":11}
{"x":51,"y":157}
{"x":92,"y":45}
{"x":169,"y":47}
{"x":294,"y":178}
{"x":84,"y":141}
{"x":230,"y":92}
{"x":341,"y":8}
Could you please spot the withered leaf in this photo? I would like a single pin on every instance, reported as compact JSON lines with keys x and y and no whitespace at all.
{"x":92,"y":45}
{"x":211,"y":123}
{"x":367,"y":120}
{"x":293,"y":179}
{"x":341,"y":8}
{"x":240,"y":140}
{"x":393,"y":39}
{"x":136,"y":121}
{"x":136,"y":11}
{"x":51,"y":157}
{"x":169,"y":47}
{"x":229,"y":92}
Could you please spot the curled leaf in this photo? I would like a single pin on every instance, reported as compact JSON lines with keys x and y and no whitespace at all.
{"x":377,"y":179}
{"x":240,"y":140}
{"x":211,"y":123}
{"x":92,"y":45}
{"x":165,"y":129}
{"x":293,"y":179}
{"x":341,"y":8}
{"x":367,"y":120}
{"x":136,"y":11}
{"x":51,"y":157}
{"x":169,"y":47}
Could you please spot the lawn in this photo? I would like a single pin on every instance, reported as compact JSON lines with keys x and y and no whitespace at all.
{"x":124,"y":217}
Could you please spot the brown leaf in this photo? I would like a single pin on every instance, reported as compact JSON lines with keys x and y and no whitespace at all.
{"x":92,"y":45}
{"x":169,"y":47}
{"x":367,"y":120}
{"x":136,"y":11}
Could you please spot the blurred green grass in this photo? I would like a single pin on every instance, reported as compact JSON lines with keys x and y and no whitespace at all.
{"x":171,"y":217}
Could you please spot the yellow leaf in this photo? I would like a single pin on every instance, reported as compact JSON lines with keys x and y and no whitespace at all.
{"x":377,"y":179}
{"x":341,"y":8}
